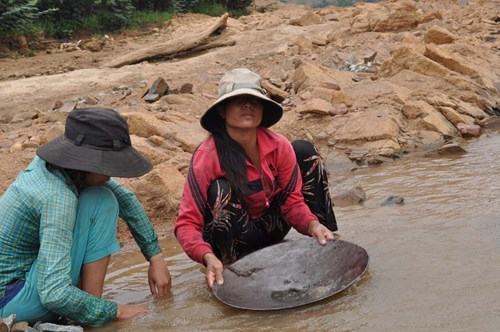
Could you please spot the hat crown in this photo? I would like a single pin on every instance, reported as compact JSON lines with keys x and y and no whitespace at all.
{"x":239,"y":78}
{"x":101,"y":128}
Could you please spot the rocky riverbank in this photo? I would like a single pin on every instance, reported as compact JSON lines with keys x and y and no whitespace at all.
{"x":367,"y":84}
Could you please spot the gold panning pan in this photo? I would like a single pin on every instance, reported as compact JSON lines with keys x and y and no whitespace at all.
{"x":291,"y":274}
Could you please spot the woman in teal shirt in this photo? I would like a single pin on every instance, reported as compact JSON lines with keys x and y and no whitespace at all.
{"x":58,"y":224}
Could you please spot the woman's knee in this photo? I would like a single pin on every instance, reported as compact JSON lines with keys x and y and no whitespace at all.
{"x":303,"y":149}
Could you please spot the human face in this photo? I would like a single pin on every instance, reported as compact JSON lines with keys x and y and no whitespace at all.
{"x":243,"y":112}
{"x":95,"y":180}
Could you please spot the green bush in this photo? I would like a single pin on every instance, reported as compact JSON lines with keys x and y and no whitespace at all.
{"x":18,"y":16}
{"x":113,"y":14}
{"x":184,"y":6}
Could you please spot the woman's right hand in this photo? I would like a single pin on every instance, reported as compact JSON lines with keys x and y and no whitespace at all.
{"x":214,"y":270}
{"x":126,"y":311}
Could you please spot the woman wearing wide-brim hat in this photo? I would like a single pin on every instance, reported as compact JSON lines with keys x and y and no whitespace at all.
{"x":58,"y":224}
{"x":247,"y":186}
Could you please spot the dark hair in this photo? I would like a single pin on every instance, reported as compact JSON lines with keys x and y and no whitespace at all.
{"x":232,"y":159}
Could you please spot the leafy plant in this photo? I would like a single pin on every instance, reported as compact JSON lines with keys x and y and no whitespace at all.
{"x":16,"y":16}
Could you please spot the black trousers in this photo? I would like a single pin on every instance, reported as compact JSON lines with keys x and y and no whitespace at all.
{"x":233,"y":234}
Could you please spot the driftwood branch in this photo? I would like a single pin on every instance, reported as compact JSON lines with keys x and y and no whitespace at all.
{"x":172,"y":47}
{"x":214,"y":44}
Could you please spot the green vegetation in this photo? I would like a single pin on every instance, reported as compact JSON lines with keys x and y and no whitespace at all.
{"x":70,"y":18}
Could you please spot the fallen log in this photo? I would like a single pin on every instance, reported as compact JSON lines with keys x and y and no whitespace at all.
{"x":172,"y":47}
{"x":214,"y":44}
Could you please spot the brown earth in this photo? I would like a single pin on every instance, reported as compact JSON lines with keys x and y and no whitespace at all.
{"x":366,"y":84}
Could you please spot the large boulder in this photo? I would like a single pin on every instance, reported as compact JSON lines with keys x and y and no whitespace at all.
{"x":406,"y":57}
{"x":395,"y":16}
{"x":309,"y":75}
{"x":427,"y":117}
{"x":460,"y":64}
{"x":188,"y":134}
{"x":371,"y":125}
{"x":160,"y":191}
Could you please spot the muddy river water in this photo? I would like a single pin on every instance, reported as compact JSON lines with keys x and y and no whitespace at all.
{"x":434,"y":262}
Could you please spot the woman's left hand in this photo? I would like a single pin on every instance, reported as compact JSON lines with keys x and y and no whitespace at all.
{"x":320,"y":232}
{"x":158,"y":276}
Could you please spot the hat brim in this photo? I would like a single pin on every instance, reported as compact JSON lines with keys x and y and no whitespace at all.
{"x":272,"y":110}
{"x":125,"y":163}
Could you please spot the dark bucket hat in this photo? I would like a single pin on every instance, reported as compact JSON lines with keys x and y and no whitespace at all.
{"x":236,"y":82}
{"x":96,"y":140}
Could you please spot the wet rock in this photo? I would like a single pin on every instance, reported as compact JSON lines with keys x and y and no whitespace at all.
{"x":309,"y":18}
{"x":275,"y":93}
{"x":353,"y":196}
{"x":393,"y":200}
{"x":469,"y":130}
{"x":492,"y":123}
{"x":315,"y":106}
{"x":449,"y":149}
{"x":337,"y":163}
{"x":438,"y":35}
{"x":157,"y":90}
{"x":49,"y":327}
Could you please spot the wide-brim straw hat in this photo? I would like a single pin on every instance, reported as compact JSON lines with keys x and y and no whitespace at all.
{"x":236,"y":82}
{"x":96,"y":140}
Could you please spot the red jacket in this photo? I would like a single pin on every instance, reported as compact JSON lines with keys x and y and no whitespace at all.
{"x":280,"y":175}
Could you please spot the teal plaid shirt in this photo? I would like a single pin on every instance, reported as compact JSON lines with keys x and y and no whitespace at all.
{"x":37,"y":216}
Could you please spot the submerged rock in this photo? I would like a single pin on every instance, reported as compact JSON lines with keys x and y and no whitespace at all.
{"x":446,"y":150}
{"x":49,"y":327}
{"x":353,"y":196}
